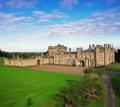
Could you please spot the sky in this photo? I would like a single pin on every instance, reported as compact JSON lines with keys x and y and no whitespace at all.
{"x":33,"y":25}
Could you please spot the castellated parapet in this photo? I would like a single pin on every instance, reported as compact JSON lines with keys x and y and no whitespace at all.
{"x":95,"y":56}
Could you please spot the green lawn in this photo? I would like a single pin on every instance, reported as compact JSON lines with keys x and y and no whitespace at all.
{"x":116,"y":87}
{"x":1,"y":61}
{"x":17,"y":85}
{"x":115,"y":67}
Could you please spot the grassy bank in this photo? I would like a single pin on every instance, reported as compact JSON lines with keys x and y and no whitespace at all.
{"x":18,"y":85}
{"x":116,"y":87}
{"x":115,"y":67}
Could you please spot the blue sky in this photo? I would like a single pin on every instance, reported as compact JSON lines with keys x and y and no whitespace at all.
{"x":33,"y":25}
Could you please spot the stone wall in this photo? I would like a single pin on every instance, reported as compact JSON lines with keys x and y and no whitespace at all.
{"x":20,"y":62}
{"x":28,"y":62}
{"x":98,"y":55}
{"x":65,"y":59}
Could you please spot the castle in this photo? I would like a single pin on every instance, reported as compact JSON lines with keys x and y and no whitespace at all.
{"x":95,"y":56}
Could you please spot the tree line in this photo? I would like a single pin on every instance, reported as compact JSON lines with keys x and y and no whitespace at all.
{"x":5,"y":54}
{"x":30,"y":54}
{"x":117,"y":56}
{"x":24,"y":55}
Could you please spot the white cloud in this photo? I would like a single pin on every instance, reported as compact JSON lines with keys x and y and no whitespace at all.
{"x":99,"y":23}
{"x":42,"y":16}
{"x":18,"y":3}
{"x":68,"y":3}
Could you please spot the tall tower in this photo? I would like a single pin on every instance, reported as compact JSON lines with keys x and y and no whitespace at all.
{"x":113,"y":54}
{"x":15,"y":56}
{"x":105,"y":54}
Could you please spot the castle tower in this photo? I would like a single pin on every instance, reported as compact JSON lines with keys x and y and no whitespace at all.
{"x":113,"y":54}
{"x":96,"y":56}
{"x":79,"y":52}
{"x":56,"y":50}
{"x":15,"y":56}
{"x":69,"y":50}
{"x":90,"y":47}
{"x":93,"y":46}
{"x":109,"y":56}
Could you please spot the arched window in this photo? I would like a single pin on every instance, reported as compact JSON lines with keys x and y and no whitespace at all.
{"x":38,"y":62}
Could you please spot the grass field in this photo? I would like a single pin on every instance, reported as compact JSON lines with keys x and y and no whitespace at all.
{"x":116,"y":87}
{"x":17,"y":85}
{"x":1,"y":61}
{"x":115,"y":67}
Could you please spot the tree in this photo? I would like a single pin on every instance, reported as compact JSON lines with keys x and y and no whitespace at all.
{"x":117,"y":56}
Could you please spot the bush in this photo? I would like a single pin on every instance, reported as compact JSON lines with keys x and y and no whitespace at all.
{"x":80,"y":93}
{"x":88,"y":70}
{"x":99,"y":72}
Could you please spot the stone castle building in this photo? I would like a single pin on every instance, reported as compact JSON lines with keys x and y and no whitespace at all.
{"x":94,"y":56}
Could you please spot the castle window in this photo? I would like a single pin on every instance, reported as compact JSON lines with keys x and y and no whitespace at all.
{"x":80,"y":55}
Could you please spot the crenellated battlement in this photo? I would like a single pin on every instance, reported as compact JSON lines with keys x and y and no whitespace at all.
{"x":95,"y":55}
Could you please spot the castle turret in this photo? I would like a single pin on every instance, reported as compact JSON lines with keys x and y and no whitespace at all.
{"x":93,"y":46}
{"x":90,"y":47}
{"x":69,"y":50}
{"x":15,"y":56}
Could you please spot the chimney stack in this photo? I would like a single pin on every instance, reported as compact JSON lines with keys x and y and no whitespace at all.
{"x":69,"y":49}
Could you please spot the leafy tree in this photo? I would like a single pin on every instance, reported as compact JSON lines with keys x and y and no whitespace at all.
{"x":45,"y":53}
{"x":5,"y":54}
{"x":117,"y":56}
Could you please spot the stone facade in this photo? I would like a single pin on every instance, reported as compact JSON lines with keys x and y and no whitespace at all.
{"x":95,"y":56}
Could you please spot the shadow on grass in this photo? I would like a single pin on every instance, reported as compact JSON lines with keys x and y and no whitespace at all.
{"x":29,"y":102}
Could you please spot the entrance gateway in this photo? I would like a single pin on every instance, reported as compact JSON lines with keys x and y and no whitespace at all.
{"x":82,"y":63}
{"x":38,"y":62}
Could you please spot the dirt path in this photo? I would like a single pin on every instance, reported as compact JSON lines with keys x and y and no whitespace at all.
{"x":61,"y":69}
{"x":110,"y":98}
{"x":109,"y":94}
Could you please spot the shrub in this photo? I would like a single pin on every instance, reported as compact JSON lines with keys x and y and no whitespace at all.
{"x":99,"y":72}
{"x":29,"y":102}
{"x":80,"y":93}
{"x":88,"y":70}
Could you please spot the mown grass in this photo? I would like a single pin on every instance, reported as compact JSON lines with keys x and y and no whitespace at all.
{"x":116,"y":87}
{"x":115,"y":67}
{"x":17,"y":85}
{"x":1,"y":61}
{"x":20,"y":87}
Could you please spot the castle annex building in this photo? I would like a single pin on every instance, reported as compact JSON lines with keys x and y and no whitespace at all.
{"x":95,"y":56}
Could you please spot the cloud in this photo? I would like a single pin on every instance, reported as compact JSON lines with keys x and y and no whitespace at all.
{"x":18,"y":3}
{"x":68,"y":3}
{"x":12,"y":22}
{"x":45,"y":17}
{"x":112,"y":1}
{"x":100,"y":23}
{"x":89,"y":4}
